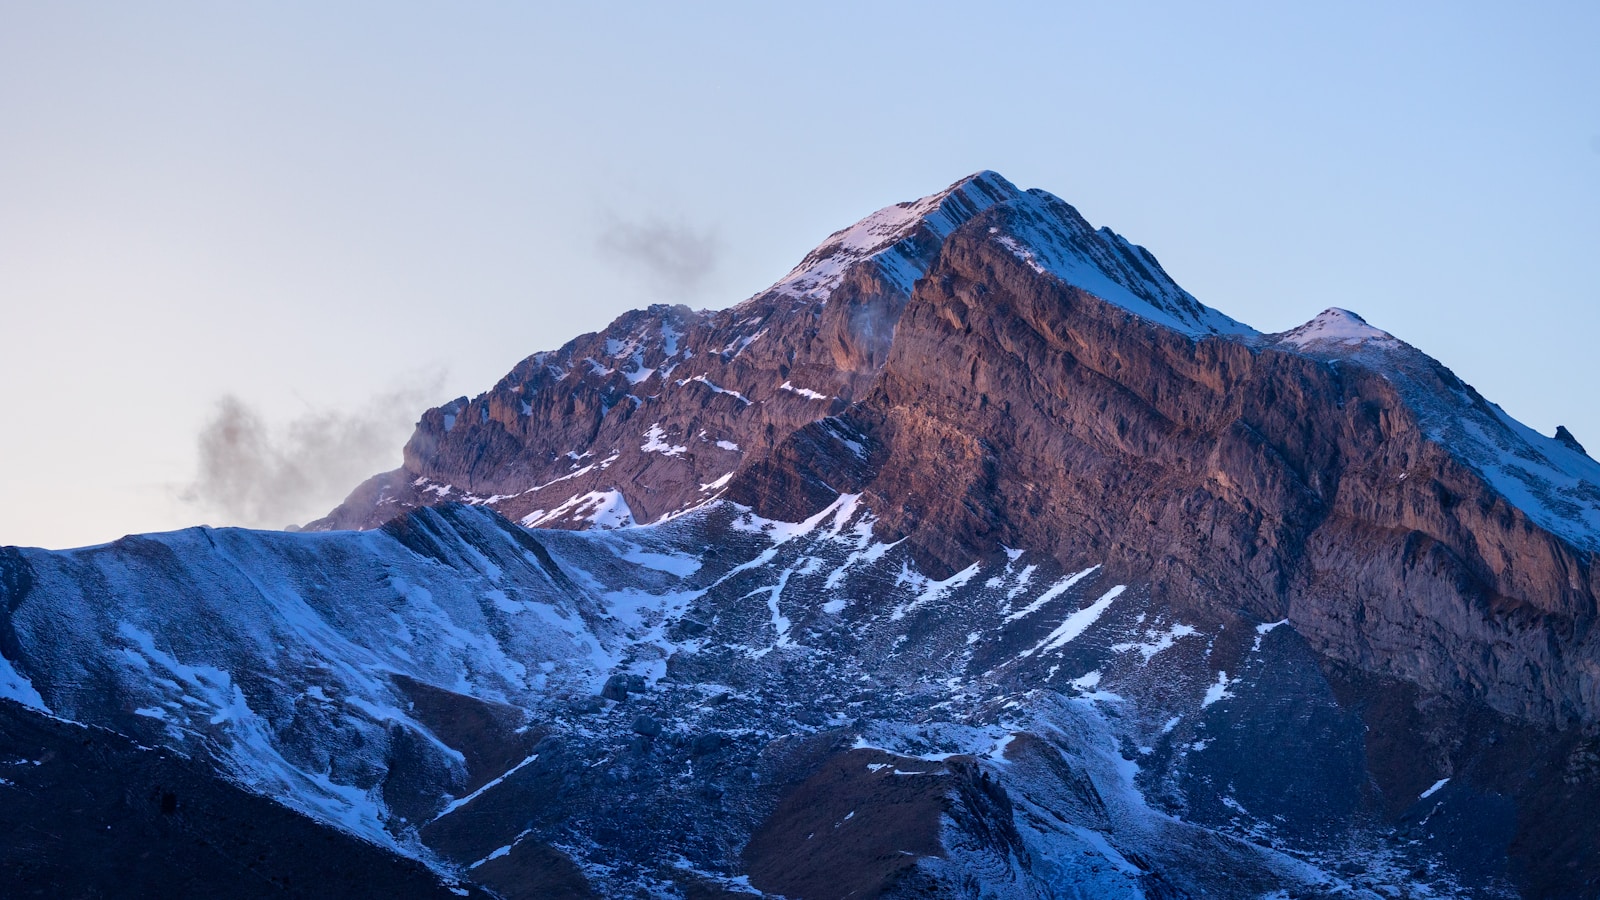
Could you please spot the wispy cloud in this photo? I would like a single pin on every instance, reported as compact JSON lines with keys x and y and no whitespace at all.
{"x":269,"y":475}
{"x":673,"y":257}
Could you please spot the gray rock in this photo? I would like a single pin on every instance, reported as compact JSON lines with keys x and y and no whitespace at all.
{"x":619,"y":686}
{"x":1566,"y":438}
{"x":616,"y":688}
{"x":709,"y":743}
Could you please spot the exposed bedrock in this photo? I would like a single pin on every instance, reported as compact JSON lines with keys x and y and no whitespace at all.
{"x":1017,"y":410}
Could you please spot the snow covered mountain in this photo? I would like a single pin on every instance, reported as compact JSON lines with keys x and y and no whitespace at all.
{"x":973,"y":558}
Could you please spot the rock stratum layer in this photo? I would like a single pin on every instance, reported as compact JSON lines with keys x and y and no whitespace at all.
{"x":975,"y":558}
{"x":1027,"y":380}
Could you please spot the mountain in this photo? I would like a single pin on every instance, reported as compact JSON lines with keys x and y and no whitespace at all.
{"x":1050,"y":387}
{"x":973,"y":558}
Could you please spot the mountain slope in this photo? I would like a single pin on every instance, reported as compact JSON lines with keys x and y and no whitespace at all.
{"x":85,"y":812}
{"x":618,"y":709}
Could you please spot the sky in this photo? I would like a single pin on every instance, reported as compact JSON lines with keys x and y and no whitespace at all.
{"x":243,"y":246}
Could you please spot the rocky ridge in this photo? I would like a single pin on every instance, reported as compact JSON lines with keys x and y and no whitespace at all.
{"x":650,"y":416}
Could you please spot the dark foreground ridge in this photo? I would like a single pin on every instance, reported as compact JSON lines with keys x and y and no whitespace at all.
{"x":89,"y":813}
{"x":973,"y":558}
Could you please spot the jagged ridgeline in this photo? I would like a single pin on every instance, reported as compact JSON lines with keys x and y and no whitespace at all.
{"x":973,"y":558}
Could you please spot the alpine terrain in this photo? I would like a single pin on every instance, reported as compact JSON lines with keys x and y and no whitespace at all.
{"x":973,"y":558}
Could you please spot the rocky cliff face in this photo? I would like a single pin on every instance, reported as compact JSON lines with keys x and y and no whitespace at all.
{"x":649,"y":417}
{"x":1024,"y":379}
{"x":1332,"y":475}
{"x":974,"y":558}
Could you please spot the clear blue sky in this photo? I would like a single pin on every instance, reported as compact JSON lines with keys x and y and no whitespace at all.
{"x":312,"y":205}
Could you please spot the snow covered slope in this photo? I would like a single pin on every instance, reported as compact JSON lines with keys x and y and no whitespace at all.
{"x":278,"y":654}
{"x":1054,"y":240}
{"x":899,"y":239}
{"x":1039,"y":724}
{"x":1555,"y":484}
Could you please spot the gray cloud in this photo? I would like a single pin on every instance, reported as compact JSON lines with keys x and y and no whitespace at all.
{"x":268,"y":475}
{"x":672,"y":256}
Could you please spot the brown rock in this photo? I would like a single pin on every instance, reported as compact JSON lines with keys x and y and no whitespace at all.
{"x":999,"y":404}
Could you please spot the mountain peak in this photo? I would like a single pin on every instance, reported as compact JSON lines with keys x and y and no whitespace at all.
{"x":901,"y":236}
{"x":1055,"y":240}
{"x":1565,"y":438}
{"x":1039,"y":228}
{"x":1338,"y":327}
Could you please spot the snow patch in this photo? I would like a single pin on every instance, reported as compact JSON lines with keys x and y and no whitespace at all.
{"x":717,"y":484}
{"x":1264,"y":629}
{"x":1219,"y":690}
{"x":680,"y":564}
{"x":1023,"y":579}
{"x":1059,"y":588}
{"x":655,"y":441}
{"x":1075,"y":624}
{"x":718,"y":389}
{"x":808,"y":394}
{"x":602,"y":509}
{"x":1155,"y":642}
{"x":457,"y":804}
{"x":932,"y":591}
{"x":1087,"y":681}
{"x":16,"y":687}
{"x":838,"y":433}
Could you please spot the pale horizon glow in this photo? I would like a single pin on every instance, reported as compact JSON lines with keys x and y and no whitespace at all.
{"x":317,"y":210}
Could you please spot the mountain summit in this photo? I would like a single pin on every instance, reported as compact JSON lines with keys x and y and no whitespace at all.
{"x":555,"y":442}
{"x":975,"y":557}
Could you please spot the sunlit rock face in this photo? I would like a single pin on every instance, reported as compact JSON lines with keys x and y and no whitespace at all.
{"x":973,"y":558}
